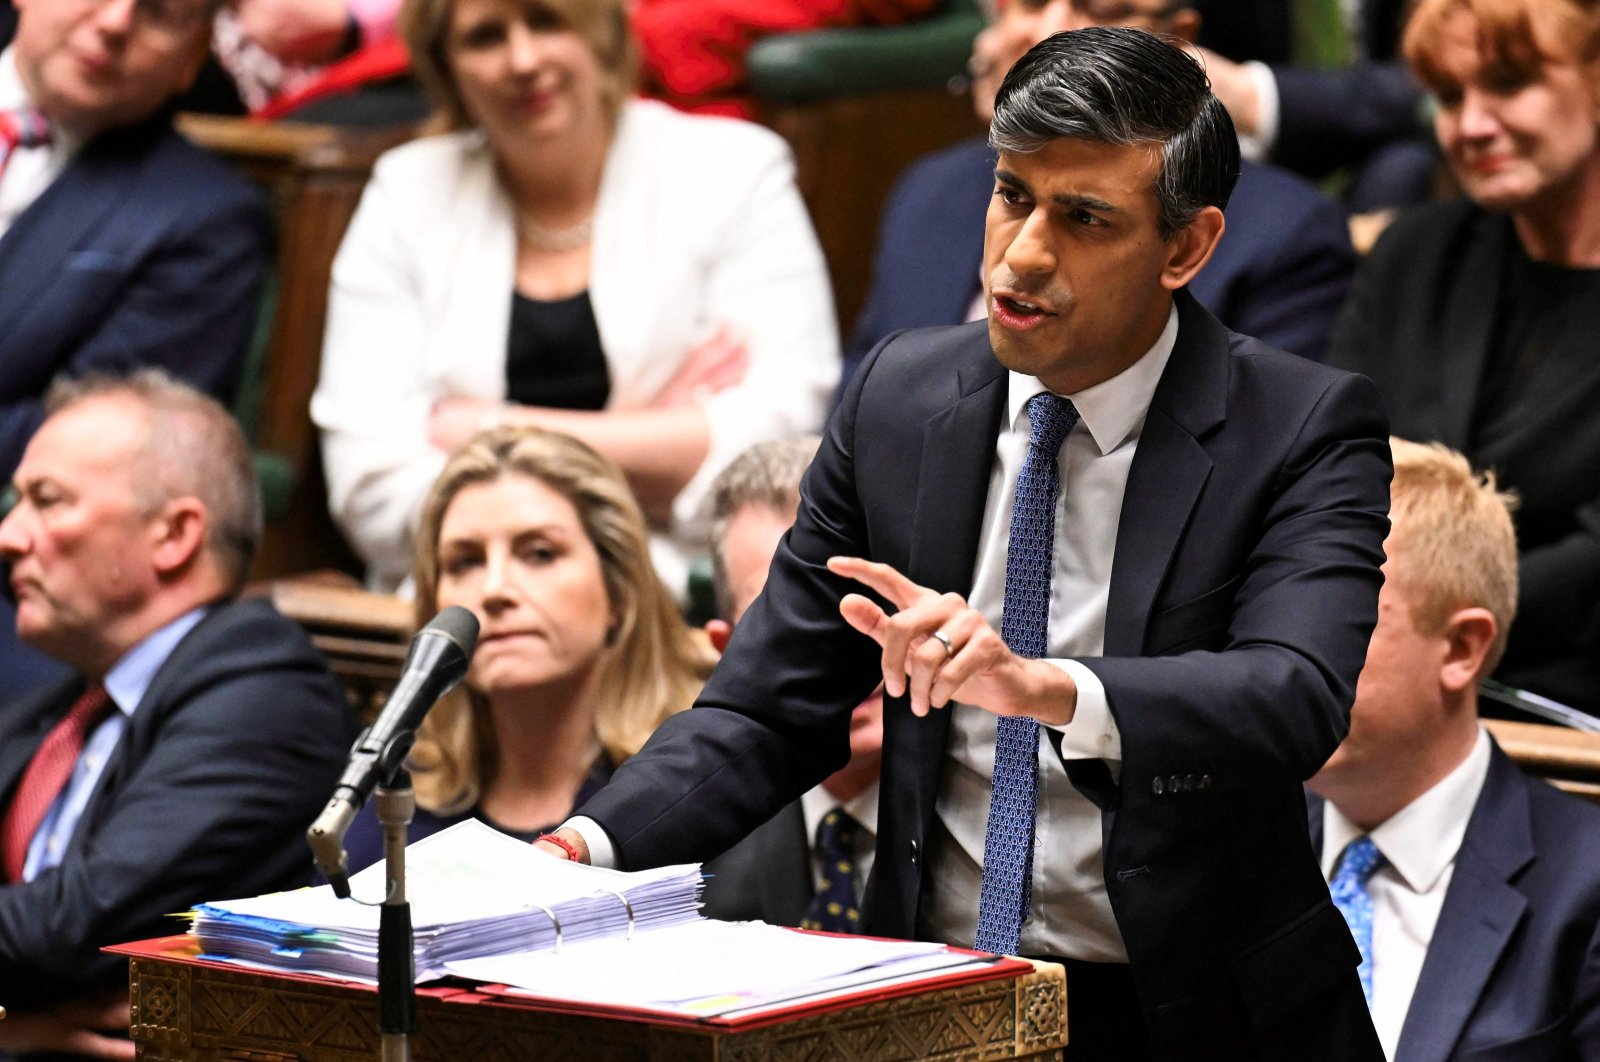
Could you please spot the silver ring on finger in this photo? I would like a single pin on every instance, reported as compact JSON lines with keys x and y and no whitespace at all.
{"x":944,"y":639}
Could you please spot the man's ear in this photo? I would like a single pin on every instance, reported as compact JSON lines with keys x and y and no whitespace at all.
{"x":1190,"y":249}
{"x":1469,"y":634}
{"x":178,"y":534}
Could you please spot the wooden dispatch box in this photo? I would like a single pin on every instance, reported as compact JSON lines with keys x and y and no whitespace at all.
{"x":186,"y":1009}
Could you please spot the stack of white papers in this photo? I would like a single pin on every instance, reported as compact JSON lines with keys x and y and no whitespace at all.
{"x":473,"y":892}
{"x":713,"y":969}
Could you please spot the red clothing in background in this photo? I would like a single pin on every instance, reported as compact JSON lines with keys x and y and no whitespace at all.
{"x":693,"y":50}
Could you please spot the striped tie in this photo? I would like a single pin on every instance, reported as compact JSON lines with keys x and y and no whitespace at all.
{"x":21,"y":129}
{"x":46,"y":775}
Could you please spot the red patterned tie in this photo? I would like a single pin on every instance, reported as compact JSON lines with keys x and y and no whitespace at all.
{"x":21,"y":129}
{"x":46,"y":776}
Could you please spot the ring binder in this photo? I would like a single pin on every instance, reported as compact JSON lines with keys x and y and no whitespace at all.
{"x":555,"y":922}
{"x":626,"y":906}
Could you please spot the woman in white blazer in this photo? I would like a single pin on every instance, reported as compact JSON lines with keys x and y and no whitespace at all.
{"x":685,"y":236}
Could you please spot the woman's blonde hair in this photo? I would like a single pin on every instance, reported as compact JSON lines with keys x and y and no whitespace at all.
{"x":1516,"y":35}
{"x":652,"y":666}
{"x":603,"y":25}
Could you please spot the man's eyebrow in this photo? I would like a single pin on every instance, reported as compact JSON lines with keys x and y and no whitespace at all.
{"x":1067,"y":201}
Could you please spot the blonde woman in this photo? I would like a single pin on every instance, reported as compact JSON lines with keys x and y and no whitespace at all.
{"x":581,"y":654}
{"x":572,"y":258}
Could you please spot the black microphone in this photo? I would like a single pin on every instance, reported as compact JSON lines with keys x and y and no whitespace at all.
{"x":438,"y":659}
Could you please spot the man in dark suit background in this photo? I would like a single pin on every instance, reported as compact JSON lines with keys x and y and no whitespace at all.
{"x":1363,"y":114}
{"x":1280,"y":276}
{"x":1203,"y":585}
{"x":197,"y":735}
{"x":807,"y":865}
{"x":121,"y":244}
{"x":1473,"y":889}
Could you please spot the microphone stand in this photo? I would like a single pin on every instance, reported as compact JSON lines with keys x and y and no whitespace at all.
{"x":397,"y":982}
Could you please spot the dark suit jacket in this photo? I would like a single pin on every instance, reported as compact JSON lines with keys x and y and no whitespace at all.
{"x":1367,"y":116}
{"x":766,"y":876}
{"x":1513,"y":971}
{"x":144,"y":251}
{"x":1420,"y":322}
{"x":1280,"y":273}
{"x":1246,"y":561}
{"x":233,"y":751}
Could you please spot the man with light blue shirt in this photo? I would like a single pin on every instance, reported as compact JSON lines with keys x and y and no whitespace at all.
{"x":1472,"y":889}
{"x":197,"y":735}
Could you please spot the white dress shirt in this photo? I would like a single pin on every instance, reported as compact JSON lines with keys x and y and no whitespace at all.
{"x":863,"y":807}
{"x":1419,"y":845}
{"x":126,"y":684}
{"x":29,"y":170}
{"x":1071,"y":913}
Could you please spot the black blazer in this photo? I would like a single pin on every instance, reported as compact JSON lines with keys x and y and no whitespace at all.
{"x":1420,"y":322}
{"x":233,"y":751}
{"x":766,"y":876}
{"x":144,"y":251}
{"x":1513,"y":971}
{"x":1247,"y":561}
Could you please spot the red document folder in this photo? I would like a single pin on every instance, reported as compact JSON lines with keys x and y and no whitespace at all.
{"x":185,"y":949}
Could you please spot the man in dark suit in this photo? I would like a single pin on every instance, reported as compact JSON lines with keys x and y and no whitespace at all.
{"x":1184,"y":620}
{"x":121,"y":244}
{"x":1364,"y":114}
{"x":1473,"y":889}
{"x":197,"y":736}
{"x":807,"y":864}
{"x":1281,"y":275}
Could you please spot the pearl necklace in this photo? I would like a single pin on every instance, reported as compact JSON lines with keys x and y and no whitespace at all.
{"x":568,"y":239}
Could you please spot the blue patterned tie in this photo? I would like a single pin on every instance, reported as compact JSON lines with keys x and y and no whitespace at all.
{"x":1025,"y":626}
{"x":1349,"y":888}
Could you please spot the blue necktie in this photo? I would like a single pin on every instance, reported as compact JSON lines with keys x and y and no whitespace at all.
{"x":1349,"y":888}
{"x":1025,"y":627}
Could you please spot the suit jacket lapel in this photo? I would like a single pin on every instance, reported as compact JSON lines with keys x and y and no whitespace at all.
{"x":1169,"y":469}
{"x":957,"y":460}
{"x":1481,"y":911}
{"x":77,"y":203}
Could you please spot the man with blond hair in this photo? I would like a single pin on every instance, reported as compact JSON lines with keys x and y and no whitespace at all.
{"x":1471,"y":889}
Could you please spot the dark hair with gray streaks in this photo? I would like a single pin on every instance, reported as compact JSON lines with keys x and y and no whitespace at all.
{"x":1124,"y":87}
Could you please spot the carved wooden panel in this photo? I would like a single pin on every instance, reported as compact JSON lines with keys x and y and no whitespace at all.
{"x":186,"y":1012}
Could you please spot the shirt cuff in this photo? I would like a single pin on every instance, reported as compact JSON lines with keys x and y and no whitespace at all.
{"x":1258,"y":148}
{"x":1092,"y":734}
{"x":602,"y":853}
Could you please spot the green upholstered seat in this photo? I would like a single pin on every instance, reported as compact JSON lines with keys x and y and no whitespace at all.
{"x":794,"y":68}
